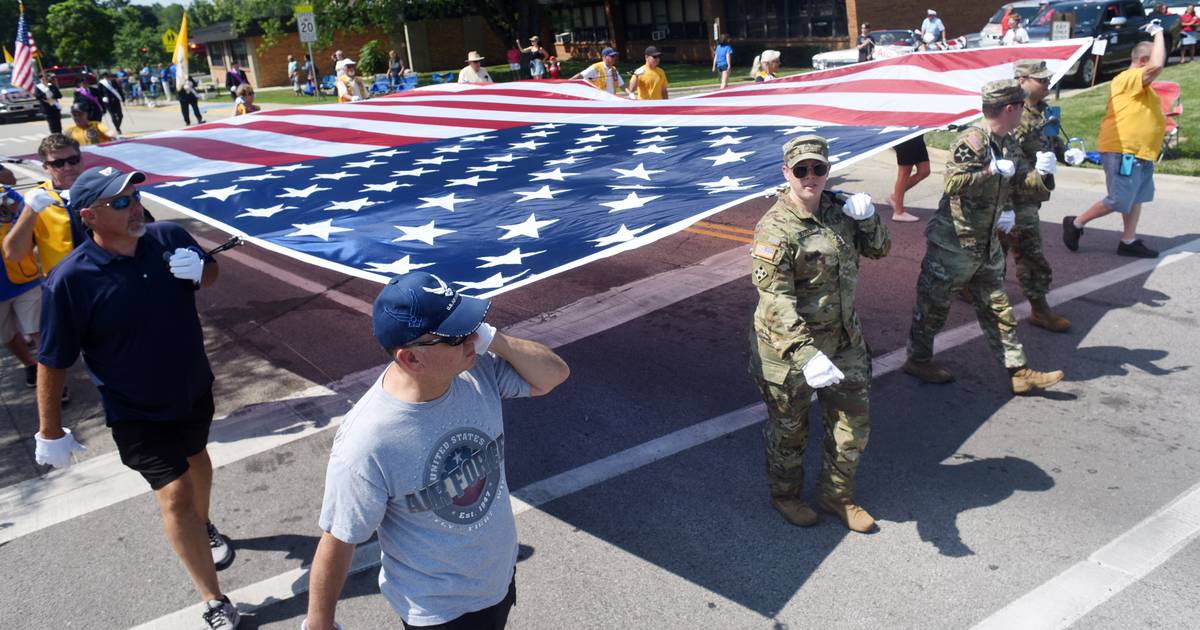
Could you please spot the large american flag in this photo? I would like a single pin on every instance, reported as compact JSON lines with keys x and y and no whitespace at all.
{"x":23,"y":51}
{"x":497,"y":186}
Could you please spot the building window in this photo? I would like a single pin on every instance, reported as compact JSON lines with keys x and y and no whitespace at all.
{"x":663,"y":19}
{"x":769,"y":19}
{"x":585,"y":23}
{"x":237,"y":50}
{"x":216,"y":54}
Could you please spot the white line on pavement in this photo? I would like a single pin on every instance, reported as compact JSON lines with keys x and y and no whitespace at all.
{"x":295,"y":582}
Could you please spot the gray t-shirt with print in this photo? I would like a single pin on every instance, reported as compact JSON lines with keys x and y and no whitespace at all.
{"x":429,"y":477}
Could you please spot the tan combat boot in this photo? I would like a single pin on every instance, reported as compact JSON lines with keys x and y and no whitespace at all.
{"x":852,"y":516}
{"x":1042,"y":317}
{"x":927,"y":371}
{"x":1025,"y":380}
{"x":795,"y":511}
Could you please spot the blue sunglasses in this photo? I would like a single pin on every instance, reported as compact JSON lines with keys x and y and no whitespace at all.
{"x":124,"y":201}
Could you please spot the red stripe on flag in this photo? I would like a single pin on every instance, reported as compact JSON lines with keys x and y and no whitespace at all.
{"x":876,"y":86}
{"x":325,"y":134}
{"x":218,"y":150}
{"x":437,"y":121}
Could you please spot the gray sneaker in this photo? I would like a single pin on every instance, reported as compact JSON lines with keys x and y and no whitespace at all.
{"x":220,"y":614}
{"x":222,"y":551}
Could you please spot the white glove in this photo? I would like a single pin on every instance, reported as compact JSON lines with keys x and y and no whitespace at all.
{"x":38,"y":199}
{"x":355,"y":99}
{"x":1074,"y":156}
{"x":486,"y":332}
{"x":1047,"y":164}
{"x":821,"y":372}
{"x":186,"y":265}
{"x":1008,"y":219}
{"x":56,"y":453}
{"x":1154,"y":27}
{"x":1005,"y":168}
{"x":858,"y":207}
{"x":304,"y":625}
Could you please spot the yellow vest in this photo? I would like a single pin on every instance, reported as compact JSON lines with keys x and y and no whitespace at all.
{"x":602,"y":76}
{"x":52,"y":232}
{"x":18,"y":271}
{"x":345,"y":96}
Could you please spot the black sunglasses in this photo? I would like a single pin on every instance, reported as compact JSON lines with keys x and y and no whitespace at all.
{"x":123,"y":202}
{"x":801,"y":171}
{"x":449,"y":341}
{"x":73,"y":160}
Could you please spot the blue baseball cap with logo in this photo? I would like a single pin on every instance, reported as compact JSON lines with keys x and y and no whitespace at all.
{"x":420,"y":303}
{"x":101,"y":182}
{"x":608,"y":52}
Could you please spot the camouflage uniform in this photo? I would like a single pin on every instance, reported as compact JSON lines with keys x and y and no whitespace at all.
{"x":963,"y":249}
{"x":805,"y":266}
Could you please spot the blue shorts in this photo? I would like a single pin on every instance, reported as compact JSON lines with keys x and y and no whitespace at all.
{"x":722,"y":68}
{"x":1126,"y":190}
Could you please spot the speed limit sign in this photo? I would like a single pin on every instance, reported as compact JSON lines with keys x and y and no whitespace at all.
{"x":306,"y":23}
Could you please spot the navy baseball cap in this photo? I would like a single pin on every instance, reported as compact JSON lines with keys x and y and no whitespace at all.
{"x":101,"y":182}
{"x":608,"y":51}
{"x":419,"y":303}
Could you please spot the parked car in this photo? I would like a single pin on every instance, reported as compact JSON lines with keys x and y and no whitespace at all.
{"x":1117,"y":21}
{"x":15,"y":103}
{"x":69,"y":77}
{"x":1026,"y":10}
{"x":888,"y":43}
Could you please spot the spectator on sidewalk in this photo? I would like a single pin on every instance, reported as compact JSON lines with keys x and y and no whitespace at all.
{"x":350,"y":87}
{"x":474,"y":72}
{"x":337,"y":58}
{"x":189,"y":97}
{"x":552,"y":68}
{"x":110,"y":96}
{"x":1189,"y":22}
{"x":537,"y":67}
{"x":912,"y":167}
{"x":723,"y":60}
{"x":932,"y":30}
{"x":245,"y":101}
{"x":48,"y":97}
{"x":396,"y":68}
{"x":866,"y":43}
{"x":234,"y":79}
{"x":310,"y":74}
{"x":293,"y":72}
{"x":649,"y":82}
{"x":514,"y":63}
{"x":20,"y":291}
{"x":151,"y":369}
{"x":765,"y":66}
{"x":1131,"y":137}
{"x":419,"y":461}
{"x":1016,"y":33}
{"x":604,"y":73}
{"x":87,"y":132}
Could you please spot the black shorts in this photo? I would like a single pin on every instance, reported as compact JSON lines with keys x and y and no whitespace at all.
{"x":159,"y":450}
{"x":491,"y":618}
{"x":912,"y":152}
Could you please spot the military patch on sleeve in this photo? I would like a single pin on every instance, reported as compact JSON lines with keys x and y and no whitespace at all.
{"x":760,"y":274}
{"x":769,"y":252}
{"x":976,"y":141}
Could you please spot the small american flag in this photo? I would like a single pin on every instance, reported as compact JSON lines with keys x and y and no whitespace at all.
{"x":23,"y":51}
{"x":497,"y":186}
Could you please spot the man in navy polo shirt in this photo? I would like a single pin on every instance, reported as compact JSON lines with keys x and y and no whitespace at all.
{"x":125,"y":299}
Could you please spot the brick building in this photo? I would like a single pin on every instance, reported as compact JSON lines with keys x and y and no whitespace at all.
{"x":685,"y":29}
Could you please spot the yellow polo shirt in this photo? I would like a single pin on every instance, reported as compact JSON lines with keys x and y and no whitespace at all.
{"x":650,"y":83}
{"x":101,"y":134}
{"x":52,"y":231}
{"x":1134,"y":122}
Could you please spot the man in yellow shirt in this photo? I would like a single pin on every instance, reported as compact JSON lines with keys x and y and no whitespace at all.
{"x":1131,"y":136}
{"x":45,"y":221}
{"x":350,"y":88}
{"x":649,"y":83}
{"x":86,"y":131}
{"x":603,"y":74}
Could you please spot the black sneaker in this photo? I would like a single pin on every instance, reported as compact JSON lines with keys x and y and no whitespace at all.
{"x":31,"y":375}
{"x":1071,"y":233}
{"x":222,"y":552}
{"x":220,"y":614}
{"x":1136,"y":249}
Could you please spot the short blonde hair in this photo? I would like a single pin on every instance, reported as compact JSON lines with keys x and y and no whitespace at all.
{"x":244,"y":89}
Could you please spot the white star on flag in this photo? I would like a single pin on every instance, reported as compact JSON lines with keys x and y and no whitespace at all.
{"x":504,"y":158}
{"x":388,"y":187}
{"x":363,"y":164}
{"x":183,"y":182}
{"x":630,"y":202}
{"x":726,"y":184}
{"x":585,"y":149}
{"x":622,"y":235}
{"x":515,"y":257}
{"x":257,"y":178}
{"x":798,"y":129}
{"x":653,"y":139}
{"x":594,"y":138}
{"x":568,"y":160}
{"x":354,"y":205}
{"x":654,"y":148}
{"x":490,"y":168}
{"x":388,"y":153}
{"x":547,"y":126}
{"x":338,"y":176}
{"x":289,"y":168}
{"x":713,"y":132}
{"x":494,"y":282}
{"x":476,"y":138}
{"x":556,"y":175}
{"x":528,"y":144}
{"x":424,"y":233}
{"x":658,"y":130}
{"x":446,"y":202}
{"x":265,"y":213}
{"x":545,"y":192}
{"x":596,"y":129}
{"x":473,"y":180}
{"x":837,"y":157}
{"x":728,"y":157}
{"x":891,"y":128}
{"x":399,"y":267}
{"x":538,"y":134}
{"x":222,"y":194}
{"x":437,"y":161}
{"x":321,"y":229}
{"x":300,"y":193}
{"x":450,"y":149}
{"x":416,"y":172}
{"x":640,"y":172}
{"x":724,"y":140}
{"x":529,"y":227}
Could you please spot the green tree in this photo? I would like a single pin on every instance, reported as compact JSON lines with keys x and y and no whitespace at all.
{"x":372,"y":59}
{"x":82,"y":32}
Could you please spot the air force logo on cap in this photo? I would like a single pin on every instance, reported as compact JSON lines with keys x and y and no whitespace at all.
{"x":402,"y":313}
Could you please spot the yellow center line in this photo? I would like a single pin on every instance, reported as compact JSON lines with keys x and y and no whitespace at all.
{"x":728,"y":237}
{"x":725,"y":228}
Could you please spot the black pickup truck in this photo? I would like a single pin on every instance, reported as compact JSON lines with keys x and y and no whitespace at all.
{"x":1118,"y":21}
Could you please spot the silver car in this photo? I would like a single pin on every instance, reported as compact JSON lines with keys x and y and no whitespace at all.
{"x":15,"y":103}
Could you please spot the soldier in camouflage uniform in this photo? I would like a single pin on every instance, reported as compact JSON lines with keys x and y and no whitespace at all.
{"x":807,"y":336}
{"x":963,"y":249}
{"x":1025,"y":239}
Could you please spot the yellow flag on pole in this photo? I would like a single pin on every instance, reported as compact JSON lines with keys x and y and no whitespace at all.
{"x":180,"y":58}
{"x":7,"y":55}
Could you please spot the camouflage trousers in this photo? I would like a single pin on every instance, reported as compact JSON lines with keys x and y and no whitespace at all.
{"x":845,"y":409}
{"x":1025,"y":243}
{"x":946,"y":271}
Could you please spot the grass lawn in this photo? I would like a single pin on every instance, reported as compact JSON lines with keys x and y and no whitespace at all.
{"x":1083,"y":112}
{"x":679,"y":76}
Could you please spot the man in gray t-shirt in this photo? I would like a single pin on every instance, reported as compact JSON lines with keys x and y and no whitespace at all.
{"x":420,"y":460}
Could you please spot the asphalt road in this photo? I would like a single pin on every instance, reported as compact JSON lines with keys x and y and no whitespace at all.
{"x":642,"y":497}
